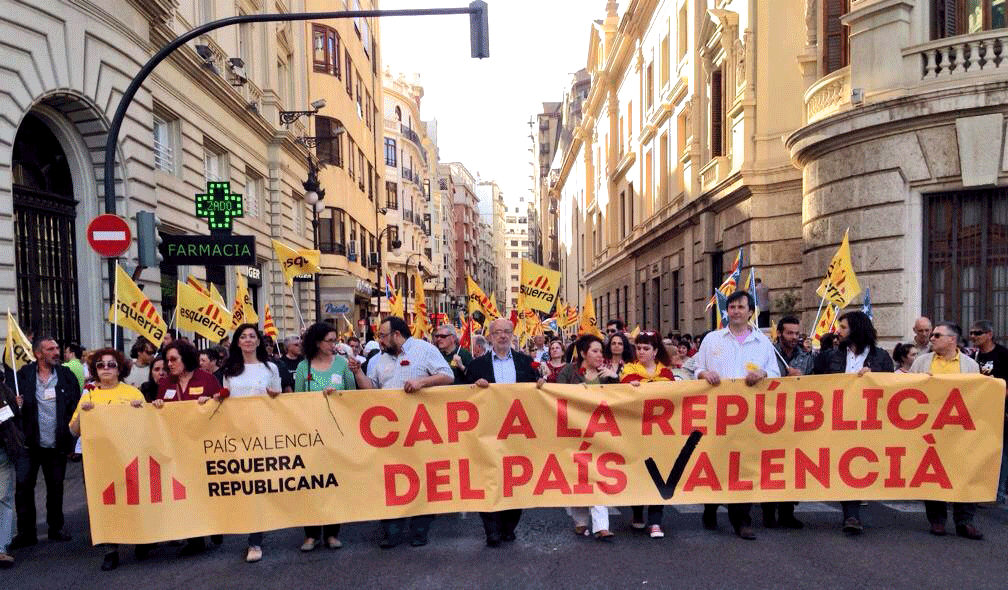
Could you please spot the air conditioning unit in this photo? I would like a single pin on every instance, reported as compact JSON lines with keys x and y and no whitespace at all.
{"x":352,"y":252}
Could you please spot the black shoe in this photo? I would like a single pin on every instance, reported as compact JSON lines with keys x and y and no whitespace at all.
{"x":60,"y":536}
{"x":853,"y":526}
{"x":193,"y":548}
{"x":392,"y":541}
{"x":493,"y":540}
{"x":791,"y":523}
{"x":508,"y":537}
{"x":21,"y":541}
{"x":769,"y":521}
{"x":418,"y":540}
{"x":217,"y":539}
{"x":969,"y":531}
{"x":110,"y":562}
{"x":745,"y":532}
{"x":710,"y":519}
{"x":142,"y":551}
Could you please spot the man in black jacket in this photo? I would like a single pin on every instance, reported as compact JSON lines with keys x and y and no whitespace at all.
{"x":501,"y":365}
{"x":50,"y":393}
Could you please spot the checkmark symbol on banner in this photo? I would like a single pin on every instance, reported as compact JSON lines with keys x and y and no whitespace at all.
{"x":666,"y":487}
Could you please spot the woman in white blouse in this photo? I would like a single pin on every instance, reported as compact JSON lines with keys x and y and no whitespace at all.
{"x":248,"y":372}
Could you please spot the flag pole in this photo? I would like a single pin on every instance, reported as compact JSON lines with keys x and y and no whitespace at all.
{"x":297,"y":308}
{"x":10,"y":351}
{"x":115,"y":305}
{"x":819,"y":313}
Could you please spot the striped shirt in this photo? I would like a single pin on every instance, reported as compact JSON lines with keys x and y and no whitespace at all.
{"x":721,"y":352}
{"x":417,"y":359}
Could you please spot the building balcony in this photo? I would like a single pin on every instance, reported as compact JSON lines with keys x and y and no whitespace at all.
{"x":828,"y":96}
{"x":956,"y":61}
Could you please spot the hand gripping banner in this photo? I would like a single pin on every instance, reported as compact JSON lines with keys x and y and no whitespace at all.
{"x":254,"y":464}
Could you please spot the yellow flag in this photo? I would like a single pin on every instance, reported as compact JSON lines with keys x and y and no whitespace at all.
{"x":825,"y":325}
{"x":242,"y":312}
{"x":269,"y":326}
{"x":634,"y":333}
{"x":216,"y":296}
{"x":421,"y":322}
{"x":840,"y":285}
{"x":296,"y":262}
{"x":196,"y":312}
{"x":197,"y":284}
{"x":589,"y":324}
{"x":479,"y":301}
{"x":19,"y":349}
{"x":136,"y":312}
{"x":539,"y":286}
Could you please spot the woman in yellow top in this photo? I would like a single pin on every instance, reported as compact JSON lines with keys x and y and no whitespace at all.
{"x":109,"y":368}
{"x":652,"y":365}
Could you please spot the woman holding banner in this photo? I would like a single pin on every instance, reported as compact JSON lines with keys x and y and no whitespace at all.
{"x":652,"y":365}
{"x":590,"y":370}
{"x":109,"y":367}
{"x":249,"y":372}
{"x":156,"y":372}
{"x":858,"y":354}
{"x":322,"y":370}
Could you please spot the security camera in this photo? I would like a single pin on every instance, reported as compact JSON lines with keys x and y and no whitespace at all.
{"x":319,"y":104}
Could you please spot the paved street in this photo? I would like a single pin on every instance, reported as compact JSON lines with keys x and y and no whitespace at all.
{"x":895,"y":552}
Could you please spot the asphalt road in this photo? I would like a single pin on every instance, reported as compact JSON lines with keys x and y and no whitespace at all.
{"x":896,"y":551}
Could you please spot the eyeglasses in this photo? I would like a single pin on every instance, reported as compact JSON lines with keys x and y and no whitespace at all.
{"x":937,"y":335}
{"x":108,"y":365}
{"x":977,"y":332}
{"x":499,"y":332}
{"x":441,"y":335}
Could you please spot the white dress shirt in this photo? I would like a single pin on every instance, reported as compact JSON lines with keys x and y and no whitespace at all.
{"x":504,"y":367}
{"x":418,"y":358}
{"x":855,"y":362}
{"x":721,"y":352}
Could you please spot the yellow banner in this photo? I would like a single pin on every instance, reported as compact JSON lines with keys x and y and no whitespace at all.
{"x":242,"y":311}
{"x":539,"y":286}
{"x":478,"y":301}
{"x":840,"y":285}
{"x":296,"y":262}
{"x":135,"y":311}
{"x":197,"y":313}
{"x":253,"y":464}
{"x":18,"y":352}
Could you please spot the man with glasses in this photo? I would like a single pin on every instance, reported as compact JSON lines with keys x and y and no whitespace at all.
{"x":502,"y":365}
{"x":458,"y":358}
{"x":409,"y":364}
{"x":614,"y":326}
{"x":142,"y":353}
{"x":944,"y":359}
{"x":993,"y":361}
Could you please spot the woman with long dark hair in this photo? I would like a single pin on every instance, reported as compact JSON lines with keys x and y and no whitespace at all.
{"x":618,"y":351}
{"x":157,"y":371}
{"x":856,"y":354}
{"x":322,"y":370}
{"x":249,"y":372}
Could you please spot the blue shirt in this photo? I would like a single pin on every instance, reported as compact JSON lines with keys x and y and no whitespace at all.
{"x":46,"y":410}
{"x":504,"y":368}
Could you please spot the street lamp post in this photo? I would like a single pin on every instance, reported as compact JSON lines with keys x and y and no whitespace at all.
{"x":378,"y":271}
{"x":315,"y":196}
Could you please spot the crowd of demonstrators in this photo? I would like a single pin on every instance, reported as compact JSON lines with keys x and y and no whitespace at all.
{"x":37,"y":428}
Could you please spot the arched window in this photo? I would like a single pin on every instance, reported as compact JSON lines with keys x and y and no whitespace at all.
{"x":398,"y":114}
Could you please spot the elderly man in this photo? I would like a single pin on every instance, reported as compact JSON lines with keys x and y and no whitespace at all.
{"x":409,"y":364}
{"x":502,"y":365}
{"x":446,"y":339}
{"x":540,"y":352}
{"x":944,"y":359}
{"x":50,"y":393}
{"x":736,"y":352}
{"x":922,"y":335}
{"x":479,"y":345}
{"x":993,"y":361}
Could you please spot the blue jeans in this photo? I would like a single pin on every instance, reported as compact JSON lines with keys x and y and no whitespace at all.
{"x":7,"y":487}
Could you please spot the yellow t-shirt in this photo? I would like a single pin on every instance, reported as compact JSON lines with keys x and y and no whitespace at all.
{"x":940,"y":366}
{"x":123,"y":393}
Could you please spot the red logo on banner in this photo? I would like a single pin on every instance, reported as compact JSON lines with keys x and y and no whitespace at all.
{"x":132,"y":473}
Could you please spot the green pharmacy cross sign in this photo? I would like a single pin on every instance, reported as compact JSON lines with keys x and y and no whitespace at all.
{"x":219,"y":205}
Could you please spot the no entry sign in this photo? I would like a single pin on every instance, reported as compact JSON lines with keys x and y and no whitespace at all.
{"x":109,"y":235}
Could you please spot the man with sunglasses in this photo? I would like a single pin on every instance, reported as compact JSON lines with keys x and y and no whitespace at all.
{"x":945,"y":358}
{"x":458,"y":358}
{"x":614,"y":327}
{"x":993,"y":361}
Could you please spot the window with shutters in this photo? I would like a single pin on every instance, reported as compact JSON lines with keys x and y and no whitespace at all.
{"x":328,"y":144}
{"x":391,"y":195}
{"x":347,"y":72}
{"x":717,"y":114}
{"x":961,"y":17}
{"x":835,"y":38}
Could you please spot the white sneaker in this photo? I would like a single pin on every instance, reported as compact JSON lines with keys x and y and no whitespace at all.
{"x":309,"y":544}
{"x":656,"y":532}
{"x":254,"y":554}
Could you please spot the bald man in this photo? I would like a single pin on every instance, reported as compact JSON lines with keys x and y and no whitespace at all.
{"x":922,"y":335}
{"x":502,"y":365}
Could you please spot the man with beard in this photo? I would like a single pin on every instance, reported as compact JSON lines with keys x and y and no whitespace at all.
{"x":409,"y":364}
{"x":501,"y":365}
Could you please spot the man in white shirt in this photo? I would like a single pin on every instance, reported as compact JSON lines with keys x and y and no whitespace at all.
{"x":409,"y":364}
{"x":736,"y":352}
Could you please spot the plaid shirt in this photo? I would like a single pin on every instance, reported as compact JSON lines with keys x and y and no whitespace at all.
{"x":418,"y":358}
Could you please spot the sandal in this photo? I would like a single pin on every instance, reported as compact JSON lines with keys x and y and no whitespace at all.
{"x":581,"y":530}
{"x":606,"y":536}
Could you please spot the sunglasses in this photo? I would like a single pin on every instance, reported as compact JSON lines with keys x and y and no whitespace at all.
{"x":977,"y":332}
{"x":441,"y":335}
{"x":937,"y":335}
{"x":108,"y":365}
{"x":612,"y":330}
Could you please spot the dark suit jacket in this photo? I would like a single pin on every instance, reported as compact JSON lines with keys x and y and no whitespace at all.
{"x":482,"y":368}
{"x":877,"y":360}
{"x":67,"y":395}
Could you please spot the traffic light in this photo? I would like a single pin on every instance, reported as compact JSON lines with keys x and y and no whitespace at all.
{"x":148,"y":239}
{"x":479,"y":29}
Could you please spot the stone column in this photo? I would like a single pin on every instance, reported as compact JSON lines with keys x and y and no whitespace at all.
{"x":879,"y":31}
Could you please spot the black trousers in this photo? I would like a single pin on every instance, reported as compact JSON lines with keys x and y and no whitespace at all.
{"x":654,"y":514}
{"x":498,"y":525}
{"x":851,"y":509}
{"x":937,"y":512}
{"x":53,"y":464}
{"x":738,"y":514}
{"x":396,"y":527}
{"x":778,"y":510}
{"x":321,"y":533}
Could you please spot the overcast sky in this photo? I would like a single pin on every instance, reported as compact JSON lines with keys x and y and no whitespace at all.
{"x":483,"y":106}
